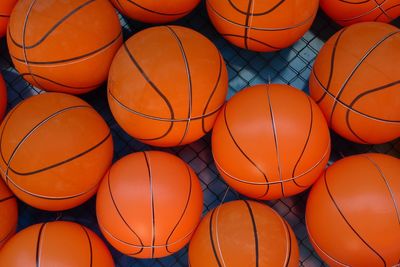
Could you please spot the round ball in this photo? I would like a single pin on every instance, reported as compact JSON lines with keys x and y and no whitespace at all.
{"x":355,"y":81}
{"x":352,"y":212}
{"x":55,"y":149}
{"x":149,"y":204}
{"x":8,"y":214}
{"x":57,"y":243}
{"x":243,"y":233}
{"x":64,"y":46}
{"x":262,"y":25}
{"x":167,"y":96}
{"x":355,"y":11}
{"x":270,"y":141}
{"x":6,"y":6}
{"x":3,"y":97}
{"x":155,"y":11}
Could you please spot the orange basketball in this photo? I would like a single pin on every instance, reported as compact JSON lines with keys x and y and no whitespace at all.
{"x":56,"y":244}
{"x":354,"y":11}
{"x":3,"y":97}
{"x":167,"y":95}
{"x":54,"y":148}
{"x":6,"y":6}
{"x":155,"y":11}
{"x":356,"y":82}
{"x":8,"y":214}
{"x":243,"y":233}
{"x":262,"y":25}
{"x":353,"y":214}
{"x":149,"y":204}
{"x":270,"y":141}
{"x":64,"y":46}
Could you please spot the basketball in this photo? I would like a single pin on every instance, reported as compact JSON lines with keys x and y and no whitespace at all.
{"x":149,"y":204}
{"x":167,"y":95}
{"x":6,"y":6}
{"x":64,"y":46}
{"x":352,"y":212}
{"x":155,"y":11}
{"x":355,"y":81}
{"x":3,"y":97}
{"x":354,"y":11}
{"x":55,"y":149}
{"x":8,"y":214}
{"x":243,"y":233}
{"x":58,"y":243}
{"x":270,"y":141}
{"x":262,"y":26}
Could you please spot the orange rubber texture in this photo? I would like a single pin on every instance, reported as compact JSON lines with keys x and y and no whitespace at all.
{"x":149,"y":204}
{"x":155,"y":11}
{"x":64,"y":46}
{"x":8,"y":214}
{"x":354,"y":11}
{"x":262,"y":25}
{"x":243,"y":233}
{"x":6,"y":6}
{"x":56,"y":243}
{"x":270,"y":141}
{"x":55,"y":149}
{"x":170,"y":96}
{"x":356,"y":82}
{"x":352,"y":212}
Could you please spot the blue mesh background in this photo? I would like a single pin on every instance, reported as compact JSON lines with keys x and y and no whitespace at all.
{"x":290,"y":66}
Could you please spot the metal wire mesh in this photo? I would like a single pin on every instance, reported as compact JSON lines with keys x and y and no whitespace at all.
{"x":290,"y":66}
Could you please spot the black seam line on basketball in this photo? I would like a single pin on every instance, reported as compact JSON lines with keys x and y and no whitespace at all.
{"x":379,"y":5}
{"x":37,"y":126}
{"x":212,"y":238}
{"x":332,"y":65}
{"x":8,"y":235}
{"x":360,"y":15}
{"x":53,"y":28}
{"x":352,"y":73}
{"x":354,"y":110}
{"x":153,"y":216}
{"x":24,"y":42}
{"x":387,"y":186}
{"x":347,"y":222}
{"x":290,"y":242}
{"x":189,"y":78}
{"x":61,"y":84}
{"x":69,"y":60}
{"x":354,"y":3}
{"x":158,"y":13}
{"x":4,"y":16}
{"x":306,"y":143}
{"x":276,"y":182}
{"x":243,"y":153}
{"x":253,"y":223}
{"x":246,"y":29}
{"x":120,"y":214}
{"x":66,"y":160}
{"x":38,"y":244}
{"x":274,"y":131}
{"x":254,"y":14}
{"x":252,"y":39}
{"x":147,"y":78}
{"x":163,"y":119}
{"x":212,"y":94}
{"x":90,"y":246}
{"x":184,"y":210}
{"x":5,"y":123}
{"x":266,"y":29}
{"x":390,"y":8}
{"x":6,"y":198}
